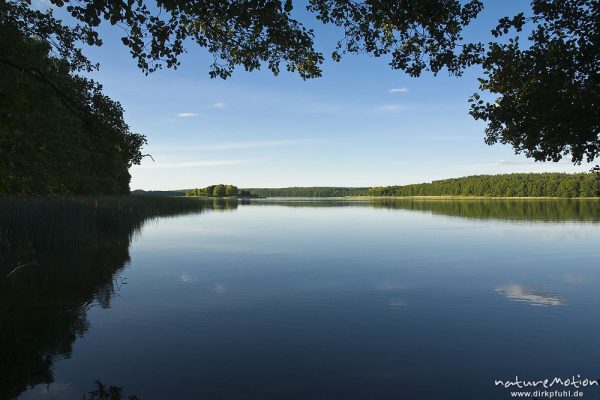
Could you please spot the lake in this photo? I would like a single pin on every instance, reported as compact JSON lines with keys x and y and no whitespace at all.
{"x":312,"y":299}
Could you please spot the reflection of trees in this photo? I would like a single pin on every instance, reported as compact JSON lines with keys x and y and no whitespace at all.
{"x":224,"y":204}
{"x":103,"y":392}
{"x":79,"y":247}
{"x":306,"y":202}
{"x":527,"y":210}
{"x":515,"y":209}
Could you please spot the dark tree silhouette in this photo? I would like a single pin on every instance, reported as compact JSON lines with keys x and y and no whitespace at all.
{"x":548,"y":91}
{"x":59,"y":134}
{"x":248,"y":33}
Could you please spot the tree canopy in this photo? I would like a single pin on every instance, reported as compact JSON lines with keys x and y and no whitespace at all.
{"x":540,"y":95}
{"x":318,"y":191}
{"x":547,"y":92}
{"x":250,"y":33}
{"x":506,"y":185}
{"x":59,"y":134}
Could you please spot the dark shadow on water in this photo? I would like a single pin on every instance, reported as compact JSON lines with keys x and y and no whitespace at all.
{"x":58,"y":258}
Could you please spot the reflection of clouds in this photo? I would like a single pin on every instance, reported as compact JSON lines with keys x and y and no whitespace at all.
{"x":574,"y":279}
{"x":520,"y":293}
{"x":389,"y":285}
{"x":219,"y":288}
{"x":397,"y":303}
{"x":185,"y":278}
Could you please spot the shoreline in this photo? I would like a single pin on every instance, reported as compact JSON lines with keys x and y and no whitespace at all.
{"x":444,"y":197}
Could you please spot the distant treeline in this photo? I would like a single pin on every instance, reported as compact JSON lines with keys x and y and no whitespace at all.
{"x":219,"y":190}
{"x":308,"y":191}
{"x":508,"y":185}
{"x":169,"y":193}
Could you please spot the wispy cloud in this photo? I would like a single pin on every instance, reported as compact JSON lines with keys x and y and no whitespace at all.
{"x":398,"y":90}
{"x":219,"y":105}
{"x":574,"y":279}
{"x":204,"y":163}
{"x":187,"y":115}
{"x":392,"y":108}
{"x":512,"y":162}
{"x":239,"y":145}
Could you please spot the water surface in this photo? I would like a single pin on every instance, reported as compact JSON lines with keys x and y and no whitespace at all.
{"x":319,"y":300}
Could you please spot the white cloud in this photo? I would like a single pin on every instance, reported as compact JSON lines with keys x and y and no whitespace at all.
{"x":398,"y":90}
{"x":204,"y":163}
{"x":218,"y":105}
{"x":392,"y":108}
{"x":187,"y":115}
{"x":513,"y":162}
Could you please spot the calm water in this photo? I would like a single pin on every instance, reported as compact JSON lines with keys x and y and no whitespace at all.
{"x":321,"y":300}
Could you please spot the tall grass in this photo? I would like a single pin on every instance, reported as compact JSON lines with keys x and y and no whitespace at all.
{"x":72,"y":250}
{"x":29,"y":226}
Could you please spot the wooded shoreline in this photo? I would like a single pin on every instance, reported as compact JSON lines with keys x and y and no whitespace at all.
{"x":474,"y":198}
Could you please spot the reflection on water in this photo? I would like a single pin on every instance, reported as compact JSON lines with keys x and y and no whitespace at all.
{"x":505,"y":209}
{"x":74,"y":250}
{"x":317,"y":295}
{"x":534,"y":297}
{"x":397,"y":303}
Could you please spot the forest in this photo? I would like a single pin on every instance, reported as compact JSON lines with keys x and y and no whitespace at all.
{"x":308,"y":191}
{"x":59,"y":134}
{"x":506,"y":185}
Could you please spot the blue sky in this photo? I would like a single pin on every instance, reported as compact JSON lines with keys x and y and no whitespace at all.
{"x":361,"y":124}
